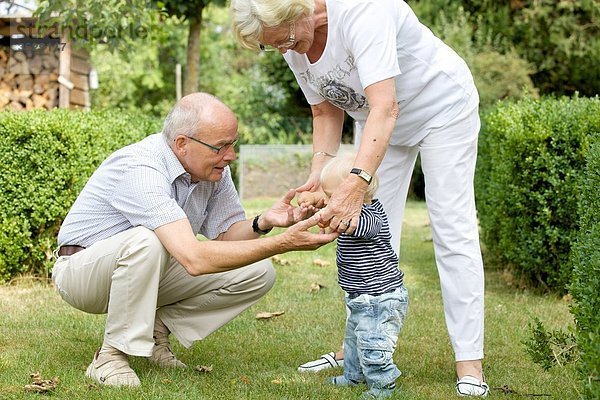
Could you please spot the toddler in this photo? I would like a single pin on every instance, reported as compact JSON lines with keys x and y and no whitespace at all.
{"x":375,"y":294}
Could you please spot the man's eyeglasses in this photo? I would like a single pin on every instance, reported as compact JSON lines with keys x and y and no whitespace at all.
{"x":215,"y":149}
{"x":284,"y":46}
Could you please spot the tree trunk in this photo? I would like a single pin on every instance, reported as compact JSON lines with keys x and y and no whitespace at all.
{"x":191,"y":83}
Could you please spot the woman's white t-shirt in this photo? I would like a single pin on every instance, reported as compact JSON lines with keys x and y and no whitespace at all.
{"x":372,"y":40}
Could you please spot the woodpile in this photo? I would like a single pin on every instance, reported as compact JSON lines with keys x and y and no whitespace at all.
{"x":28,"y":81}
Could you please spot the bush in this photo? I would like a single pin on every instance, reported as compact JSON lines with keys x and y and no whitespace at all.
{"x":585,"y":285}
{"x":532,"y":155}
{"x":48,"y":157}
{"x":562,"y":38}
{"x":501,"y":77}
{"x":549,"y":348}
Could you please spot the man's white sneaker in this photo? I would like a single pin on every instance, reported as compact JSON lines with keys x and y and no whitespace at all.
{"x":112,"y":368}
{"x":470,"y":386}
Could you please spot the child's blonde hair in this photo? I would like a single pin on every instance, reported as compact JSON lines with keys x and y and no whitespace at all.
{"x":338,"y":169}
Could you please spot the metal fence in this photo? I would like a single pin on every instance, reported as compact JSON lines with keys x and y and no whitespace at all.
{"x":271,"y":170}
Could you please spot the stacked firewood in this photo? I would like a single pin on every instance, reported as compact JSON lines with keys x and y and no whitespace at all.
{"x":28,"y":80}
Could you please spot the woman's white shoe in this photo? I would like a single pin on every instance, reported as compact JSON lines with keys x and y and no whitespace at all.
{"x":470,"y":386}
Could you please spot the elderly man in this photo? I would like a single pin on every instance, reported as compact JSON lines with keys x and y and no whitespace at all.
{"x":128,"y":246}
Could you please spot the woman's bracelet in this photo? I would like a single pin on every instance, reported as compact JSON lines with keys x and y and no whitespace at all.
{"x":323,"y":153}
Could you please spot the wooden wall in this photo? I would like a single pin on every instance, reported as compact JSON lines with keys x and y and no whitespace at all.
{"x":46,"y":76}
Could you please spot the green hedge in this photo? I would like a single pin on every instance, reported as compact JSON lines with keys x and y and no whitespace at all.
{"x":532,"y":155}
{"x":47,"y":157}
{"x":585,"y":286}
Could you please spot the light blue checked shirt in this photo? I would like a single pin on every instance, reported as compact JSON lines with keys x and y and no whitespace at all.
{"x":144,"y":184}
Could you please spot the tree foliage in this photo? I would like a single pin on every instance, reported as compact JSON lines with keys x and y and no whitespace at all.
{"x":112,"y":23}
{"x":190,"y":11}
{"x":559,"y":38}
{"x":513,"y":48}
{"x":119,"y":23}
{"x":142,"y":78}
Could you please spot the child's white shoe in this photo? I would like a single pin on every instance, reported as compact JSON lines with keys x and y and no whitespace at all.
{"x":326,"y":361}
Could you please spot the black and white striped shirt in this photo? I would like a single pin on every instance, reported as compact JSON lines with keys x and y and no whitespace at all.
{"x":366,"y":262}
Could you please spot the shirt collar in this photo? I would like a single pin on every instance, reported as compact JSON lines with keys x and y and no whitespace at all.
{"x":174,"y":167}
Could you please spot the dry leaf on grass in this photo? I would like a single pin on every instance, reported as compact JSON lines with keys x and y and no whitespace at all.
{"x":280,"y":261}
{"x":245,"y":380}
{"x":321,"y":263}
{"x":277,"y":381}
{"x":39,"y":385}
{"x":315,"y":287}
{"x":267,"y":315}
{"x":203,"y":368}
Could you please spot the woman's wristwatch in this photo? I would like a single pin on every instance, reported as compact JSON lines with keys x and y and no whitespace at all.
{"x":363,"y":174}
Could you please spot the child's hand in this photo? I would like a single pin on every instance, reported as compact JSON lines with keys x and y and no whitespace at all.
{"x":312,"y":199}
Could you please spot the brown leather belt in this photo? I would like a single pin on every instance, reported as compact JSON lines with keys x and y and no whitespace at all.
{"x":69,"y":250}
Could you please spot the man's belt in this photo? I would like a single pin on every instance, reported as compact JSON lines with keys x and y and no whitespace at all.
{"x":69,"y":250}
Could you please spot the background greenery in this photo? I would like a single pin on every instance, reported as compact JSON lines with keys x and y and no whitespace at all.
{"x":585,"y":285}
{"x":532,"y":159}
{"x":513,"y":48}
{"x":47,"y":158}
{"x":537,"y":195}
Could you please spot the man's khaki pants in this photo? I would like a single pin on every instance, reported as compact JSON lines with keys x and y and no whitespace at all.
{"x":133,"y":278}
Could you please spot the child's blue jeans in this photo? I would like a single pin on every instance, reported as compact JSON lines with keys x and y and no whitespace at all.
{"x":372,"y":331}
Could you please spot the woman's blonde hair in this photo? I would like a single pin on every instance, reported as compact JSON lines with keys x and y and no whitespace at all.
{"x":250,"y":17}
{"x":338,"y":169}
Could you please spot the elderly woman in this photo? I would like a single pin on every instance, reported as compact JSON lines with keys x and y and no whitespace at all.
{"x":409,"y":94}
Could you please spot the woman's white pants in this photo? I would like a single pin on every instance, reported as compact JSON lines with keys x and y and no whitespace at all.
{"x":448,"y":156}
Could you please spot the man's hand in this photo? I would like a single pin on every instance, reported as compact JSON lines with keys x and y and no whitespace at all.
{"x":200,"y":257}
{"x":299,"y":236}
{"x":283,"y":213}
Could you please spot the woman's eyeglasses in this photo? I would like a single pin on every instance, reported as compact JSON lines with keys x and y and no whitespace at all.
{"x":284,"y":46}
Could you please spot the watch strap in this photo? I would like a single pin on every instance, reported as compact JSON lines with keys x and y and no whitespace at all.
{"x":363,"y":174}
{"x":256,"y":229}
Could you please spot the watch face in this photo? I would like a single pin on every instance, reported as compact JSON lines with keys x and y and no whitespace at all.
{"x":366,"y":177}
{"x":362,"y":173}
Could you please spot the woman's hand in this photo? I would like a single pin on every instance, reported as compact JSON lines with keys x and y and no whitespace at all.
{"x":344,"y":206}
{"x":312,"y":183}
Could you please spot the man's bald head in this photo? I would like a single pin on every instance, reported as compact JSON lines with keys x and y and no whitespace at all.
{"x":195,"y":112}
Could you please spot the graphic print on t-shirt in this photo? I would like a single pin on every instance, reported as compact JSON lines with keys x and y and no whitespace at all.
{"x":343,"y":96}
{"x":331,"y":86}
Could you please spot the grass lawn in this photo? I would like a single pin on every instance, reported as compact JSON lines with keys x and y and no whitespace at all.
{"x":257,"y":359}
